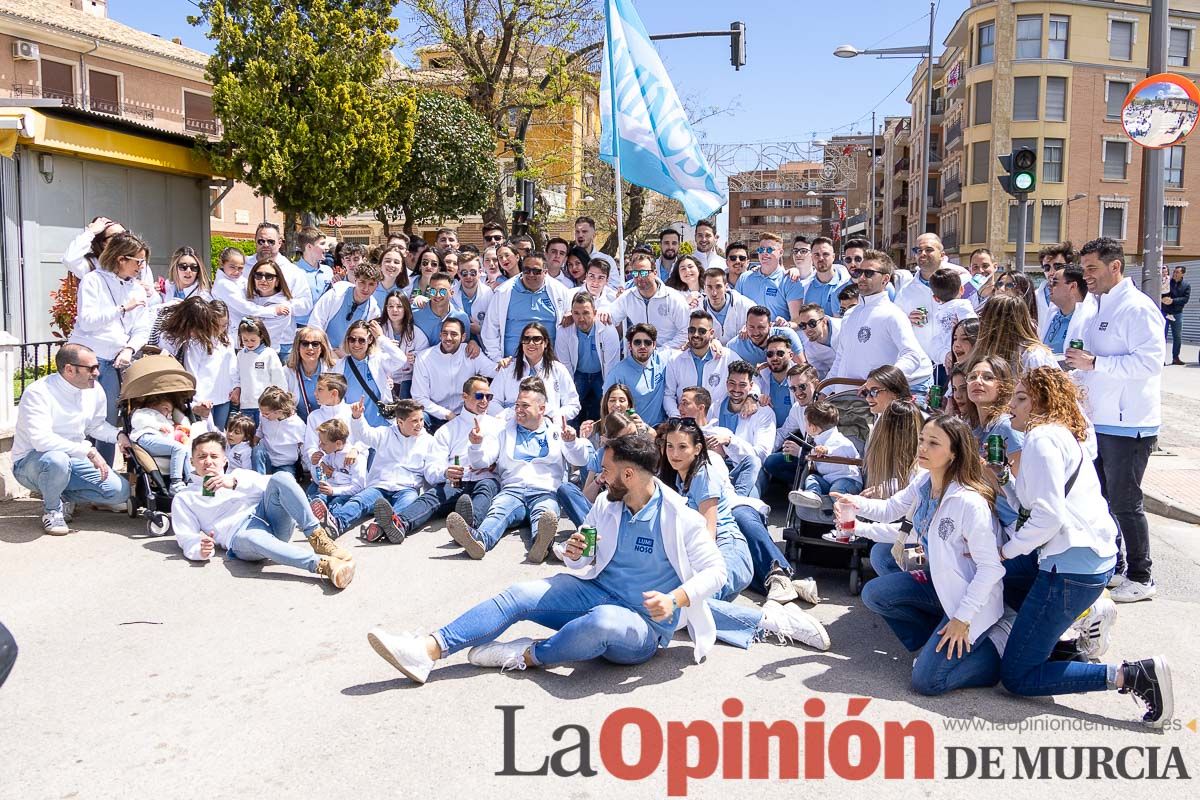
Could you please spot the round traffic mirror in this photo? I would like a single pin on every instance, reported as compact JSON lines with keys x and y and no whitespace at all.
{"x":1161,"y":110}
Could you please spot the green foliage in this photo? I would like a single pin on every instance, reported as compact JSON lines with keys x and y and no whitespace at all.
{"x":453,"y":164}
{"x":300,"y":87}
{"x":28,"y":375}
{"x":218,"y":243}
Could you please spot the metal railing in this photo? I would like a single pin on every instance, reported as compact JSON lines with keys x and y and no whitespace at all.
{"x":98,"y":104}
{"x":901,"y":166}
{"x":210,"y":126}
{"x":34,"y":360}
{"x":952,"y":187}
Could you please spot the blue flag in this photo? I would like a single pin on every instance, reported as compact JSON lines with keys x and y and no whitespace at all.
{"x":658,"y":149}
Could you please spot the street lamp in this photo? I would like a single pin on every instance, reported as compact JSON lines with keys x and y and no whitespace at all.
{"x":1067,"y":226}
{"x":921,"y":51}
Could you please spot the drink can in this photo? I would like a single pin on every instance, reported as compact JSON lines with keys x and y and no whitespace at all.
{"x":457,"y":464}
{"x":1076,"y":344}
{"x":935,"y":397}
{"x":924,"y":315}
{"x":995,"y":449}
{"x":204,"y":490}
{"x":629,"y":412}
{"x":589,"y":536}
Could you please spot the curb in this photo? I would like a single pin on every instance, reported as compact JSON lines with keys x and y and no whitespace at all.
{"x":1162,"y":506}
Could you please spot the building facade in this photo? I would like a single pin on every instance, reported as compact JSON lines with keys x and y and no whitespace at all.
{"x":893,"y":212}
{"x":784,"y":201}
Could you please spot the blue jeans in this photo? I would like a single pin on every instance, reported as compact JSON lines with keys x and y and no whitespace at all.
{"x":765,"y":555}
{"x":737,"y":625}
{"x":220,"y":415}
{"x":402,"y":390}
{"x":738,"y":568}
{"x":1045,"y":609}
{"x":440,"y":500}
{"x":162,"y":445}
{"x":262,"y":462}
{"x":360,"y":506}
{"x":882,"y":560}
{"x":590,"y":387}
{"x":823,"y":486}
{"x":744,"y":475}
{"x":780,"y":468}
{"x":909,"y":606}
{"x":1174,"y":330}
{"x":935,"y":674}
{"x":57,"y":477}
{"x":590,"y":623}
{"x":266,"y":535}
{"x":512,"y":507}
{"x":110,"y":379}
{"x":573,"y":503}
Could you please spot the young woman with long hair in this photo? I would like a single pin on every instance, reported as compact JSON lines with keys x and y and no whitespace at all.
{"x":196,"y":333}
{"x":267,"y":286}
{"x":537,"y":359}
{"x":371,"y":358}
{"x":311,"y":355}
{"x":687,"y":278}
{"x":948,"y":612}
{"x":428,"y":263}
{"x":397,"y":324}
{"x":1060,"y":555}
{"x":958,"y":401}
{"x":395,"y":276}
{"x":889,"y":464}
{"x":186,"y":276}
{"x":1007,"y":330}
{"x":509,"y":261}
{"x":883,"y":386}
{"x":1016,"y":284}
{"x":962,"y":344}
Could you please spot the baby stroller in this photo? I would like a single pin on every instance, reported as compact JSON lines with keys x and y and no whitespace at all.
{"x":149,"y":489}
{"x":804,"y":528}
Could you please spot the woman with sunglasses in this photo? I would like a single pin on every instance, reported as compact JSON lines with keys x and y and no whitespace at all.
{"x":311,"y":355}
{"x":396,"y":322}
{"x":537,"y":359}
{"x":395,"y":276}
{"x":428,"y":263}
{"x":1060,"y":555}
{"x":1006,"y":330}
{"x":268,"y":287}
{"x":195,"y":331}
{"x":883,"y":386}
{"x":371,"y":358}
{"x":82,"y":255}
{"x":1016,"y":284}
{"x":185,"y":277}
{"x":951,"y":613}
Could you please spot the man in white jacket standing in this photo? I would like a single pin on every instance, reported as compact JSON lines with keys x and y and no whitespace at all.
{"x":528,"y":454}
{"x":1120,"y":366}
{"x":515,"y":303}
{"x":704,"y":363}
{"x":51,"y":454}
{"x":652,"y":302}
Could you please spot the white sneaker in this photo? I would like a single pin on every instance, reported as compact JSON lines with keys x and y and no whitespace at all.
{"x":779,"y":588}
{"x":1132,"y":591}
{"x":54,"y":524}
{"x":405,"y":652}
{"x":1095,"y":627}
{"x":804,"y":498}
{"x":789,"y":623}
{"x":806,"y":588}
{"x":1116,"y":580}
{"x":505,"y":655}
{"x":68,"y":510}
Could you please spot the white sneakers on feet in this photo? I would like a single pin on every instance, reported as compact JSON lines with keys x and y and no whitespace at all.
{"x":505,"y":655}
{"x":805,"y":498}
{"x":1116,"y":580}
{"x":403,"y":651}
{"x":54,"y":524}
{"x":806,"y":589}
{"x":1132,"y":591}
{"x":1095,"y":627}
{"x":779,"y":588}
{"x":789,"y":623}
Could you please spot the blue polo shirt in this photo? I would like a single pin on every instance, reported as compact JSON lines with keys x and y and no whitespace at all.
{"x":431,"y":324}
{"x":699,"y":362}
{"x":781,"y":398}
{"x":1056,"y":333}
{"x":531,"y":444}
{"x":825,"y":295}
{"x":773,"y":291}
{"x":347,"y":313}
{"x":319,"y":278}
{"x":647,"y":381}
{"x":705,"y":487}
{"x":639,"y":564}
{"x":747,"y":350}
{"x":727,"y":417}
{"x":589,"y":357}
{"x":525,"y":307}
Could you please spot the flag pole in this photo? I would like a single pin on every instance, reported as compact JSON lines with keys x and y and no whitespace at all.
{"x":616,"y":142}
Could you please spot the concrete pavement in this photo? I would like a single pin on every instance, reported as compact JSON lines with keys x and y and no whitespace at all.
{"x":1172,"y":481}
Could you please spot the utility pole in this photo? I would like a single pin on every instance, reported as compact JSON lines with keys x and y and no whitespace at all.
{"x":1153,"y":192}
{"x":1022,"y":230}
{"x":873,"y":237}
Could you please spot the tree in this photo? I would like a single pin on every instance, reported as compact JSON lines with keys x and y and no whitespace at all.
{"x":514,"y":58}
{"x":299,"y":87}
{"x":453,"y":165}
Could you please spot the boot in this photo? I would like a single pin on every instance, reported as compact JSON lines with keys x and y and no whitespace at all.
{"x":339,"y":572}
{"x":323,"y":545}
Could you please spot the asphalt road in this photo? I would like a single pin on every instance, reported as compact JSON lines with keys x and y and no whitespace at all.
{"x":142,"y":676}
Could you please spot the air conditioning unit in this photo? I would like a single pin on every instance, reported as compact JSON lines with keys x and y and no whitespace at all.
{"x":25,"y":51}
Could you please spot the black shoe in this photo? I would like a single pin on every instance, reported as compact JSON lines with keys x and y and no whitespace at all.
{"x":1149,"y":680}
{"x":394,"y":528}
{"x":465,"y":509}
{"x":1067,"y":651}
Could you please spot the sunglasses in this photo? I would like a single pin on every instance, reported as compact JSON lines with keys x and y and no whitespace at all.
{"x":267,"y":241}
{"x":762,"y":250}
{"x":800,"y":251}
{"x":358,"y":340}
{"x":94,"y":368}
{"x":141,"y":262}
{"x":639,"y":273}
{"x":484,"y":395}
{"x":532,"y":340}
{"x":740,"y":258}
{"x":265,"y":276}
{"x":870,"y":394}
{"x":532,"y":270}
{"x":683,"y":422}
{"x":853,"y":259}
{"x":495,"y":237}
{"x":309,"y":343}
{"x":437,"y":292}
{"x":432,"y":263}
{"x":776,"y":353}
{"x":864,"y":273}
{"x":801,"y":389}
{"x":811,"y":324}
{"x":183,"y":267}
{"x":693,"y":330}
{"x":469,"y":273}
{"x":642,"y":343}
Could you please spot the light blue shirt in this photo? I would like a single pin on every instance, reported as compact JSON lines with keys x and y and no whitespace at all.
{"x":639,"y":564}
{"x":531,"y":444}
{"x":431,"y":324}
{"x":1078,"y":561}
{"x":825,"y":295}
{"x":354,"y":392}
{"x":727,"y":418}
{"x":773,"y":291}
{"x":747,"y":350}
{"x":647,"y":381}
{"x":525,"y":307}
{"x":1056,"y":333}
{"x":781,"y":398}
{"x":308,"y":385}
{"x":704,"y":487}
{"x":338,"y":324}
{"x":699,"y":362}
{"x":319,"y":280}
{"x":588,"y":362}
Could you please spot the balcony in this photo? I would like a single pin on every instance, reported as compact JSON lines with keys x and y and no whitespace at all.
{"x":898,"y":238}
{"x":903,"y":131}
{"x":96,"y":104}
{"x":901,"y":201}
{"x":952,"y":188}
{"x":950,"y":241}
{"x":900,"y":169}
{"x":953,"y":133}
{"x":933,"y":203}
{"x":937,"y":108}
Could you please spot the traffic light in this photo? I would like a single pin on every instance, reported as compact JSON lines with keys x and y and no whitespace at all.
{"x":737,"y":44}
{"x":1021,"y":166}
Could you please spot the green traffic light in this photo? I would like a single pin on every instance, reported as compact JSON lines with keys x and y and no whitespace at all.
{"x":1023,"y":181}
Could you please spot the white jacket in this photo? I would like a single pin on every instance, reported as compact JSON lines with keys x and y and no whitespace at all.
{"x":667,"y":311}
{"x":343,"y":478}
{"x":302,"y":299}
{"x":562,"y":398}
{"x":221,"y":516}
{"x":736,"y":307}
{"x":496,"y":322}
{"x":917,"y":294}
{"x":608,"y":346}
{"x":320,"y":414}
{"x":233,"y":295}
{"x":283,"y":439}
{"x":837,"y":445}
{"x":257,"y":371}
{"x":963,"y":549}
{"x":479,"y":306}
{"x":688,"y":546}
{"x":100,"y":322}
{"x":821,"y":355}
{"x":330,"y":303}
{"x":1057,"y":522}
{"x":216,"y":372}
{"x":78,"y":259}
{"x":280,"y":327}
{"x":681,"y":374}
{"x":877,"y":332}
{"x":451,"y":440}
{"x":438,"y":379}
{"x":401,"y":462}
{"x":753,"y":436}
{"x":55,"y":417}
{"x":149,"y":420}
{"x":1126,"y":336}
{"x":1045,"y":309}
{"x":544,"y":474}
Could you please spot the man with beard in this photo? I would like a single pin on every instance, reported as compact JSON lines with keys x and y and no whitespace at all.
{"x":770,"y":285}
{"x":668,"y":242}
{"x":744,"y":442}
{"x":702,"y":364}
{"x":737,"y":261}
{"x":753,"y":347}
{"x":772,"y":377}
{"x":821,"y":333}
{"x":827,"y":279}
{"x":644,"y":371}
{"x":516,"y":303}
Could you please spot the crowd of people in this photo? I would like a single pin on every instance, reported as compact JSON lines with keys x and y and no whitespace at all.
{"x":653,"y":404}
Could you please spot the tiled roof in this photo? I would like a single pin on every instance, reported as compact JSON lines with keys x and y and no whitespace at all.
{"x":61,"y":16}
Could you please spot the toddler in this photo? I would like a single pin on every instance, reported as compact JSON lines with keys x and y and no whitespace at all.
{"x":822,"y":418}
{"x":239,"y":438}
{"x":155,"y":431}
{"x":280,"y":433}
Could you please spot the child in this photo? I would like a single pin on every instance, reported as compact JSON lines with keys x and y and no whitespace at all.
{"x":848,"y":297}
{"x":258,"y":366}
{"x":330,"y":393}
{"x":823,"y":478}
{"x":154,"y":430}
{"x":239,"y":437}
{"x":281,"y":433}
{"x":339,"y":473}
{"x":251,"y":516}
{"x":948,"y":309}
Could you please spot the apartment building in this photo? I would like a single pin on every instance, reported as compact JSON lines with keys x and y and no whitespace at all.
{"x":785,"y":201}
{"x":893,"y":212}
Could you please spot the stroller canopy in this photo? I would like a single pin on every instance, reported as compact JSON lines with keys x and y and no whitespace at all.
{"x":158,"y":374}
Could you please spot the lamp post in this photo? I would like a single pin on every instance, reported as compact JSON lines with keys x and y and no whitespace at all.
{"x":1067,"y":226}
{"x":920,"y":51}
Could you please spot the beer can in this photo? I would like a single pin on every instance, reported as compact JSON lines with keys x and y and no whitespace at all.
{"x":1076,"y":344}
{"x":204,"y":490}
{"x":589,"y":536}
{"x":629,"y":412}
{"x":995,"y":449}
{"x":924,"y":315}
{"x":935,"y":397}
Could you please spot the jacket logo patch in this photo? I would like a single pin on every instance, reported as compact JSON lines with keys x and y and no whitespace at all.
{"x":663,"y":311}
{"x":1103,"y":326}
{"x":713,"y":380}
{"x":864,"y":334}
{"x":644,"y":544}
{"x":946,"y":528}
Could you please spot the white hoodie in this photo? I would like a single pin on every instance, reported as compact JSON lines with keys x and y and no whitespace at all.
{"x":542,"y":474}
{"x":438,"y":378}
{"x":101,"y":323}
{"x":400,"y":461}
{"x":451,"y":440}
{"x":222,"y":515}
{"x":667,"y":311}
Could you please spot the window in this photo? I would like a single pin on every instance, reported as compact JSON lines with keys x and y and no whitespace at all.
{"x":1029,"y":37}
{"x":1056,"y":99}
{"x":1179,"y":47}
{"x":198,"y":113}
{"x":985,"y":52}
{"x":1051,"y":229}
{"x":1112,"y":222}
{"x":1172,"y":223}
{"x":1173,"y":166}
{"x":1116,"y":160}
{"x":1058,"y":37}
{"x":104,"y":92}
{"x":1120,"y":40}
{"x":1052,"y":162}
{"x":1025,"y":98}
{"x":1014,"y":217}
{"x":1117,"y":91}
{"x":745,"y":204}
{"x":218,"y":210}
{"x":981,"y":158}
{"x":983,"y":103}
{"x":979,"y":221}
{"x":58,"y":81}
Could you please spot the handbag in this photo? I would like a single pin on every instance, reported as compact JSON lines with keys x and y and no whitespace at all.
{"x":386,"y":410}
